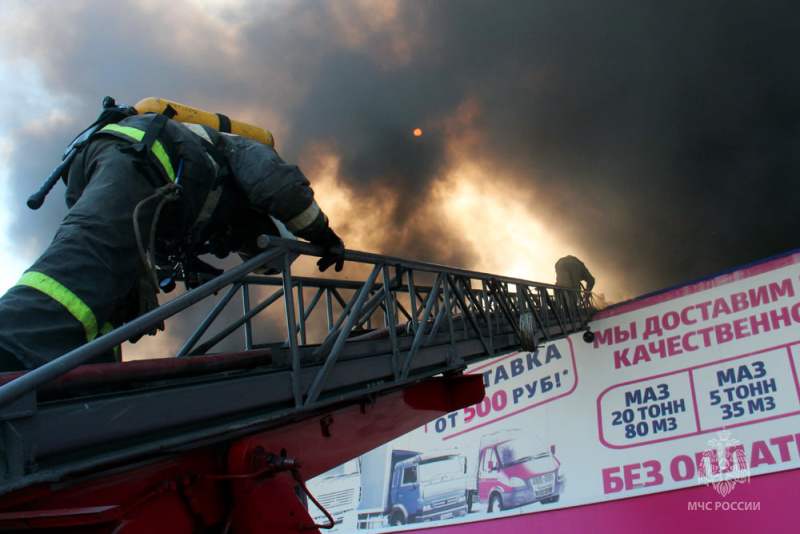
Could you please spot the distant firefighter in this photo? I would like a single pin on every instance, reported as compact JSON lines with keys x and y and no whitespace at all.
{"x":570,"y":272}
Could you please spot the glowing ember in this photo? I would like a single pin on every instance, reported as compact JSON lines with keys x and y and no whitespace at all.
{"x":417,"y":132}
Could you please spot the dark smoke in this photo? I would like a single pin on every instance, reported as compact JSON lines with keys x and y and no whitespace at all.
{"x":661,"y":136}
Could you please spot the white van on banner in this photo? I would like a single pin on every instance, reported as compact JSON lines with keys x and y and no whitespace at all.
{"x":694,"y":386}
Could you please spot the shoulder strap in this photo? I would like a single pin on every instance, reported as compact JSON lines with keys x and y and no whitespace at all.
{"x":153,"y":130}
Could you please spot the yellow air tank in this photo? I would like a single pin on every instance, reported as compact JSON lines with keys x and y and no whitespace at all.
{"x":206,"y":118}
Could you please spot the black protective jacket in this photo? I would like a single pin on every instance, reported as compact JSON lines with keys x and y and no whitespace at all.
{"x":88,"y":281}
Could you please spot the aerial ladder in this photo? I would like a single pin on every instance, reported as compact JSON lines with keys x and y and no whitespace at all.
{"x":220,"y":436}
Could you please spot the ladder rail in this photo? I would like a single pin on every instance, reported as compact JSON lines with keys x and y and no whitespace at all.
{"x":490,"y":310}
{"x":329,"y":342}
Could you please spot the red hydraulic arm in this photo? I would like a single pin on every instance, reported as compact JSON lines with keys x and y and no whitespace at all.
{"x":250,"y":485}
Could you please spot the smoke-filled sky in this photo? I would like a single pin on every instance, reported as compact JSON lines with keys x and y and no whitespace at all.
{"x":657,"y":141}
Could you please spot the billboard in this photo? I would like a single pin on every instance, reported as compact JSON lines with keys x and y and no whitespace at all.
{"x":693,"y":388}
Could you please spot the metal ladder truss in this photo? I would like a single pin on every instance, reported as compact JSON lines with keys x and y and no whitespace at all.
{"x":327,"y":342}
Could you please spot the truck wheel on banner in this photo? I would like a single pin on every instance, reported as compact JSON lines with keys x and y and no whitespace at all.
{"x":495,"y":503}
{"x":527,"y":332}
{"x":397,"y":519}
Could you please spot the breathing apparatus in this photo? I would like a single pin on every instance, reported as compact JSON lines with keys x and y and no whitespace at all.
{"x":113,"y":113}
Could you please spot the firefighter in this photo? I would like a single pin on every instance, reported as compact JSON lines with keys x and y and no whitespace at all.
{"x":570,"y":272}
{"x":194,"y":185}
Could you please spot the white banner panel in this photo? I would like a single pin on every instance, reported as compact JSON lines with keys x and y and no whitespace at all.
{"x":694,"y":386}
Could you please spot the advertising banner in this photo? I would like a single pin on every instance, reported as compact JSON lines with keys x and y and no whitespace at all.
{"x":694,"y":386}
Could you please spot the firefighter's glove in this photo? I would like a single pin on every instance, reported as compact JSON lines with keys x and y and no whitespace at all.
{"x":334,"y":250}
{"x":146,"y":301}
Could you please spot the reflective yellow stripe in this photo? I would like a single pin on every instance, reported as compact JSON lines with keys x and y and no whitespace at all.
{"x":65,"y":297}
{"x":301,"y":221}
{"x":157,"y":149}
{"x":108,"y":327}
